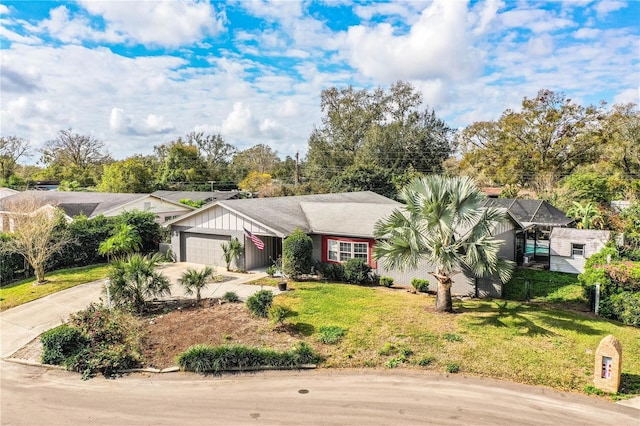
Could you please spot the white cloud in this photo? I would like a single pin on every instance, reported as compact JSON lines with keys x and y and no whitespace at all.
{"x":163,"y":23}
{"x":273,"y":9}
{"x":587,"y":33}
{"x":437,"y":46}
{"x":627,"y":96}
{"x":486,"y":14}
{"x":65,"y":28}
{"x":605,"y":7}
{"x":240,"y":122}
{"x":124,"y":124}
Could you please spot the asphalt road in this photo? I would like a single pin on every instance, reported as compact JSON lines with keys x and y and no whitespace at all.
{"x":39,"y":396}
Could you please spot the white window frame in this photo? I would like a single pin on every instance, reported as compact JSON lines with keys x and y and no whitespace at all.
{"x":341,"y":250}
{"x":577,"y":250}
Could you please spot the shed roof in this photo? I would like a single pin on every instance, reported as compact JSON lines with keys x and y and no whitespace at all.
{"x":531,"y":212}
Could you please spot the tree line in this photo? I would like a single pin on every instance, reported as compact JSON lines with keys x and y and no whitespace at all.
{"x":375,"y":140}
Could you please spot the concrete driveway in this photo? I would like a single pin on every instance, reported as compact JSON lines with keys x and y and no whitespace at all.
{"x":22,"y":324}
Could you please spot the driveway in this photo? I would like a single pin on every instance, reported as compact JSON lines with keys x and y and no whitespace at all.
{"x":22,"y":324}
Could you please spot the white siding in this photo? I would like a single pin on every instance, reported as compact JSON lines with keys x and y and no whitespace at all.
{"x":567,"y":264}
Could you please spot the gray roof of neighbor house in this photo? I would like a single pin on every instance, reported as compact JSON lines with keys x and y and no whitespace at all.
{"x":358,"y":211}
{"x":207,"y":196}
{"x":531,"y":212}
{"x":74,"y":203}
{"x":6,"y":192}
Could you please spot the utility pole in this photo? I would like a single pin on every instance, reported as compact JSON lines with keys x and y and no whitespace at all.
{"x":297,"y":174}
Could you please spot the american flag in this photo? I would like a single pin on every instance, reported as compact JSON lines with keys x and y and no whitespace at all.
{"x":257,"y":241}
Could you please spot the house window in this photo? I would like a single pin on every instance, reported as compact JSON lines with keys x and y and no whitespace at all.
{"x":343,"y":249}
{"x":577,"y":250}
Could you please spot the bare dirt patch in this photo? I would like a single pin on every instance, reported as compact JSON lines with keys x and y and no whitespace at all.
{"x":166,"y":335}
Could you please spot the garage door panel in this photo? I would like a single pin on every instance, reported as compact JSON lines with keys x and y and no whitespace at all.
{"x":203,"y":249}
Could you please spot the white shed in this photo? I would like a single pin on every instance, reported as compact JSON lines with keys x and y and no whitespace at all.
{"x":569,"y":248}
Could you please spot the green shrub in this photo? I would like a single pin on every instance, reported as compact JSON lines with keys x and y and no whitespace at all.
{"x":60,"y":343}
{"x":113,"y":342}
{"x":357,"y":271}
{"x":278,"y":313}
{"x":297,"y":254}
{"x":420,"y":285}
{"x":386,"y":281}
{"x":424,"y":361}
{"x":216,"y":359}
{"x":231,"y":297}
{"x":331,"y":271}
{"x":330,"y":334}
{"x":271,"y":270}
{"x":260,"y":302}
{"x":625,"y":306}
{"x":387,"y":349}
{"x":452,"y":367}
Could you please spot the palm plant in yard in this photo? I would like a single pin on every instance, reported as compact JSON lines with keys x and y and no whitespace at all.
{"x":124,"y":240}
{"x":588,"y":215}
{"x":135,"y":279}
{"x":194,"y":281}
{"x":232,"y":251}
{"x":443,"y":224}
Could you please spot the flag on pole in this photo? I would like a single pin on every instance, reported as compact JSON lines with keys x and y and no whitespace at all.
{"x":257,"y":241}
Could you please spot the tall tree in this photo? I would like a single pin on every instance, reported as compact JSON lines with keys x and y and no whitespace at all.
{"x":75,"y":157}
{"x":536,"y":146}
{"x":34,"y":233}
{"x":259,"y":158}
{"x":133,"y":175}
{"x":215,"y":151}
{"x":181,"y":163}
{"x":443,"y":224}
{"x":12,"y":148}
{"x":386,"y":129}
{"x":622,"y":132}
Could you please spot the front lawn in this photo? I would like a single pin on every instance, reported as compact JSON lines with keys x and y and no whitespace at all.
{"x":543,"y":286}
{"x":508,"y":340}
{"x":26,"y":290}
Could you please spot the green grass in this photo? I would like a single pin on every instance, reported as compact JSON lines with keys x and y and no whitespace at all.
{"x":25,"y":291}
{"x":545,"y":286}
{"x":526,"y":343}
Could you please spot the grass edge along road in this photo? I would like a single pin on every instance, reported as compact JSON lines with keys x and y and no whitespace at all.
{"x":17,"y":293}
{"x":521,"y":342}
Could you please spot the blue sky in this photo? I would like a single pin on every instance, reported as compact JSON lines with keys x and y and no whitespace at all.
{"x":135,"y":74}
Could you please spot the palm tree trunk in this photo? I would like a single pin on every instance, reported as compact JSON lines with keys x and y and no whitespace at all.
{"x":443,"y":297}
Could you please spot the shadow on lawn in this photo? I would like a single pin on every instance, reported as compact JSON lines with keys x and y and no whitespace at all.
{"x":519,"y":316}
{"x":629,"y":384}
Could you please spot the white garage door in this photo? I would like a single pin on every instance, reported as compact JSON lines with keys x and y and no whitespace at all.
{"x":203,"y":249}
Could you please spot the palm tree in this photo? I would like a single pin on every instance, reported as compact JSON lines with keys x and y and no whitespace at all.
{"x":194,"y":281}
{"x":125,"y":240}
{"x":443,"y":224}
{"x":231,"y":251}
{"x":588,"y":216}
{"x":135,"y":279}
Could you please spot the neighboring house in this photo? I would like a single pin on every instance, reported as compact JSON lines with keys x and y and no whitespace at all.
{"x":340,"y":225}
{"x":93,"y":204}
{"x":570,"y":248}
{"x":537,"y":218}
{"x":206,"y":196}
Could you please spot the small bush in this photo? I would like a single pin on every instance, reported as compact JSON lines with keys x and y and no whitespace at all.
{"x":297,"y":254}
{"x":331,"y":271}
{"x":60,"y":343}
{"x":387,"y":349}
{"x":331,"y":334}
{"x":423,"y":362}
{"x":357,"y":271}
{"x":386,"y":281}
{"x":216,"y":359}
{"x":260,"y":302}
{"x":278,"y":313}
{"x":625,"y":306}
{"x":271,"y":270}
{"x":452,"y":367}
{"x":231,"y":297}
{"x":420,"y":285}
